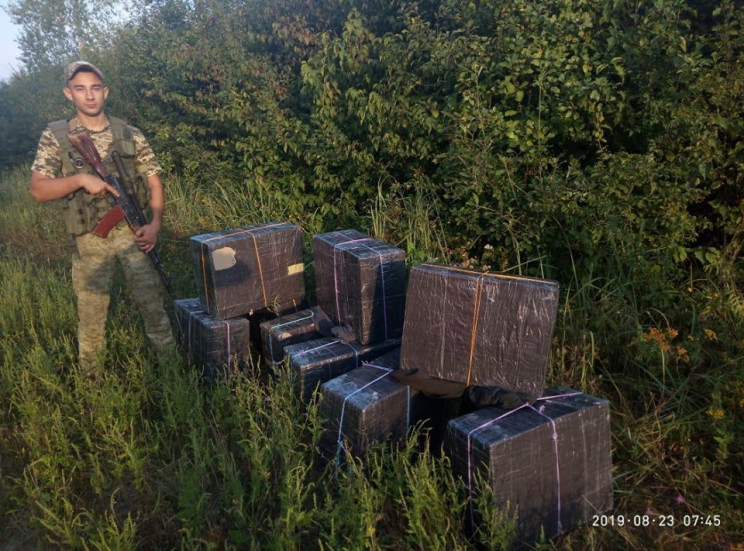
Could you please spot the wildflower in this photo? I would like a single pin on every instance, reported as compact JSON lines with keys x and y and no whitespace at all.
{"x":682,"y":354}
{"x":657,"y":336}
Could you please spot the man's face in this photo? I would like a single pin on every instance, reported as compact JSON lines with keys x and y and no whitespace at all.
{"x":86,"y":91}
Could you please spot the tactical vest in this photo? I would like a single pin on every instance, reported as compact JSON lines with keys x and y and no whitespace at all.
{"x":80,"y":210}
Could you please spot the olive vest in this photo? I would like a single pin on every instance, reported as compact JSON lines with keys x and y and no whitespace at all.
{"x":82,"y":211}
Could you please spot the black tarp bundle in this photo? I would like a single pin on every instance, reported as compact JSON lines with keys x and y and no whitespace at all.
{"x":549,"y":461}
{"x":361,"y":283}
{"x":366,"y":406}
{"x":479,"y":328}
{"x":296,"y":327}
{"x":241,"y":270}
{"x":212,"y":344}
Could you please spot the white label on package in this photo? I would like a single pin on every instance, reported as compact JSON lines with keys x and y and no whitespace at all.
{"x":295,"y":269}
{"x":224,"y":258}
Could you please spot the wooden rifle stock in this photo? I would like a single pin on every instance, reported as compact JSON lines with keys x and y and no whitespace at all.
{"x":128,"y":205}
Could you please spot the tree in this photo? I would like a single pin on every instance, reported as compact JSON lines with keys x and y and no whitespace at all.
{"x":54,"y":32}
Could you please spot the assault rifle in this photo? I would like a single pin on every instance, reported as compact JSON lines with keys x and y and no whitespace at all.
{"x":126,"y":205}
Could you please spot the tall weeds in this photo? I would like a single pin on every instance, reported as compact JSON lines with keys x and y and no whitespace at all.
{"x":152,"y":457}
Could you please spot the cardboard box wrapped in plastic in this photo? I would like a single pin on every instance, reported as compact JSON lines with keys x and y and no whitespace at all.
{"x":366,"y":406}
{"x":296,"y":327}
{"x":212,"y":344}
{"x":479,"y":328}
{"x":360,"y":283}
{"x":549,"y":462}
{"x":317,"y":361}
{"x":241,"y":270}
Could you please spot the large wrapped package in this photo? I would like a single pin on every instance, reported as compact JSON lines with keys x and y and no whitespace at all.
{"x":241,"y":270}
{"x":212,"y":344}
{"x":479,"y":328}
{"x":360,"y":283}
{"x":366,"y":406}
{"x":278,"y":333}
{"x":317,"y":361}
{"x":549,"y":462}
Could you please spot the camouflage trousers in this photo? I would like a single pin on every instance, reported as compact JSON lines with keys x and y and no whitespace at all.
{"x":93,"y":266}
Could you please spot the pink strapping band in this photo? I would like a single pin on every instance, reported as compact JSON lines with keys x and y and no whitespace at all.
{"x":324,"y":345}
{"x":339,"y":440}
{"x":384,"y":294}
{"x":227,"y":338}
{"x":271,"y":337}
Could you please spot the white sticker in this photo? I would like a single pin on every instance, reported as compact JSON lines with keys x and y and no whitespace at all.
{"x":224,"y":258}
{"x":295,"y":269}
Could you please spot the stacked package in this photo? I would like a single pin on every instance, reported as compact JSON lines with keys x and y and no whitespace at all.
{"x":210,"y":343}
{"x":314,"y":362}
{"x":293,"y":328}
{"x":478,"y":328}
{"x":360,"y":284}
{"x":360,"y":288}
{"x":241,"y":274}
{"x":549,"y":462}
{"x":250,"y":268}
{"x":366,"y":406}
{"x":547,"y":458}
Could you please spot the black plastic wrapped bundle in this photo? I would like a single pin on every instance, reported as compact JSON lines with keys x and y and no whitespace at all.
{"x":478,"y":328}
{"x":278,"y":333}
{"x":210,"y":343}
{"x":241,"y":270}
{"x":360,"y":283}
{"x":549,"y":461}
{"x":317,"y":361}
{"x":365,"y":406}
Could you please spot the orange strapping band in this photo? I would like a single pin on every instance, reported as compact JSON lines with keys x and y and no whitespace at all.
{"x":478,"y":293}
{"x":260,"y":269}
{"x":474,"y":330}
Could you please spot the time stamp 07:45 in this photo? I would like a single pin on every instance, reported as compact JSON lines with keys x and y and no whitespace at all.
{"x":663,"y":521}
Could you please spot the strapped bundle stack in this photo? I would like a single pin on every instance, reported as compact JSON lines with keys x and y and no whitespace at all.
{"x":314,"y":362}
{"x":546,"y":455}
{"x":360,"y":287}
{"x":241,"y":275}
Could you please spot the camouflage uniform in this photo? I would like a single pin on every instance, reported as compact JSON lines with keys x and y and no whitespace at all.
{"x":94,"y":259}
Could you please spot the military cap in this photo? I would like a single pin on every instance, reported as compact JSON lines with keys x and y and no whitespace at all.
{"x":75,"y":66}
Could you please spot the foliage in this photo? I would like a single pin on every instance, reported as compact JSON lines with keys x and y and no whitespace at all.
{"x":27,"y":102}
{"x":54,"y":33}
{"x":594,"y":143}
{"x":152,"y":457}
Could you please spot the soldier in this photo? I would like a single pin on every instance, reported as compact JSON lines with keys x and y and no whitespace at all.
{"x":59,"y":173}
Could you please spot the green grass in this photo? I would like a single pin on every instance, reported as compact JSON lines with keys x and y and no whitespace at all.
{"x":152,"y":458}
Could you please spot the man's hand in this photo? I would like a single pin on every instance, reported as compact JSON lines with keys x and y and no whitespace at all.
{"x":147,"y":236}
{"x":95,"y":186}
{"x":44,"y":188}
